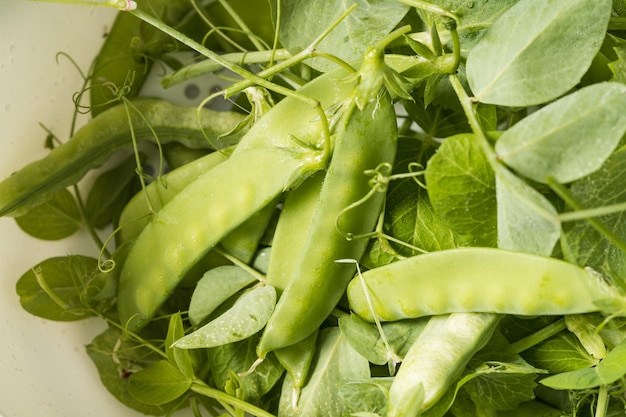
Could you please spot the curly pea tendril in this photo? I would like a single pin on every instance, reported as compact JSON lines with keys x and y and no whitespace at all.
{"x":124,"y":5}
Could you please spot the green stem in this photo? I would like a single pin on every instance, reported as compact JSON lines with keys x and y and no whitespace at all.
{"x":468,"y":108}
{"x":201,"y":388}
{"x":237,"y":262}
{"x":617,"y":23}
{"x":244,"y":27}
{"x":539,"y":336}
{"x":585,"y":214}
{"x":570,"y":200}
{"x":602,"y":404}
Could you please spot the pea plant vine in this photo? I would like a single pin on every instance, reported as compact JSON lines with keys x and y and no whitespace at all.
{"x":412,"y":208}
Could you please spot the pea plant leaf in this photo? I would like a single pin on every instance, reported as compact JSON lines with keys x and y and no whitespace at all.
{"x":110,"y":192}
{"x":584,"y":245}
{"x":474,"y":17}
{"x":158,"y":384}
{"x":607,"y":371}
{"x":461,"y":187}
{"x":227,"y":361}
{"x":180,"y":358}
{"x":52,"y":289}
{"x":618,"y":67}
{"x":246,"y":317}
{"x":522,"y":209}
{"x":568,"y":139}
{"x":55,"y":219}
{"x":216,"y":286}
{"x":116,"y":357}
{"x":409,"y":215}
{"x":560,"y":353}
{"x":301,"y":21}
{"x":365,"y":338}
{"x":335,"y":363}
{"x":537,"y":51}
{"x":365,"y":396}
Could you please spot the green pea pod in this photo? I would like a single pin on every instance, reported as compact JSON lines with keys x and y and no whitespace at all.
{"x":297,"y":359}
{"x":136,"y":214}
{"x":291,"y":231}
{"x":476,"y":280}
{"x":129,"y":51}
{"x":366,"y":140}
{"x":436,"y":359}
{"x":94,"y":143}
{"x":276,"y":154}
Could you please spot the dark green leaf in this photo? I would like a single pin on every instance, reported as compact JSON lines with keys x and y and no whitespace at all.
{"x":560,"y":353}
{"x":584,"y":245}
{"x":618,"y":67}
{"x":158,"y":384}
{"x":537,"y":51}
{"x":226,"y":362}
{"x":116,"y":357}
{"x":461,"y":187}
{"x":55,"y":219}
{"x":178,"y":357}
{"x":110,"y":192}
{"x":53,"y":288}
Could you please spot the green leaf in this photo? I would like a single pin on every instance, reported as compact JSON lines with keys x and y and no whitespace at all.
{"x":474,"y":17}
{"x":178,"y":357}
{"x":618,"y":67}
{"x":584,"y":245}
{"x":568,"y":139}
{"x":158,"y":384}
{"x":537,"y":51}
{"x":461,"y":187}
{"x":365,"y":338}
{"x":368,"y":395}
{"x":336,"y":362}
{"x":116,"y":357}
{"x":110,"y":192}
{"x":560,"y":353}
{"x":527,"y":222}
{"x":302,"y":21}
{"x":502,"y":389}
{"x":53,"y":288}
{"x":227,"y":361}
{"x":609,"y":370}
{"x":216,"y":286}
{"x":55,"y":219}
{"x":245,"y":318}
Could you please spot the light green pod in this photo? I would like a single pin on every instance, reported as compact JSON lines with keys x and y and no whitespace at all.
{"x":476,"y":280}
{"x":136,"y":214}
{"x":367,"y":140}
{"x":436,"y":359}
{"x":276,"y":154}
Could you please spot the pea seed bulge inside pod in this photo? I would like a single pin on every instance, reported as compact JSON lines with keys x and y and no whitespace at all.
{"x":476,"y":280}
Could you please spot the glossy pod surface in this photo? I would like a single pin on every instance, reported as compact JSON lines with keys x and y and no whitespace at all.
{"x":475,"y":280}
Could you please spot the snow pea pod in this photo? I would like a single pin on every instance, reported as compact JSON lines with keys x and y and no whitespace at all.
{"x":136,"y":213}
{"x":95,"y":142}
{"x":367,"y":139}
{"x":476,"y":280}
{"x":436,"y":359}
{"x":282,"y":149}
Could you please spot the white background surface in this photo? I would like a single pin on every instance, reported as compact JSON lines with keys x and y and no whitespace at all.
{"x":44,"y":369}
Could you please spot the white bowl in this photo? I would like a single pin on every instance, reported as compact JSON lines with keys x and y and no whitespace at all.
{"x":44,"y":368}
